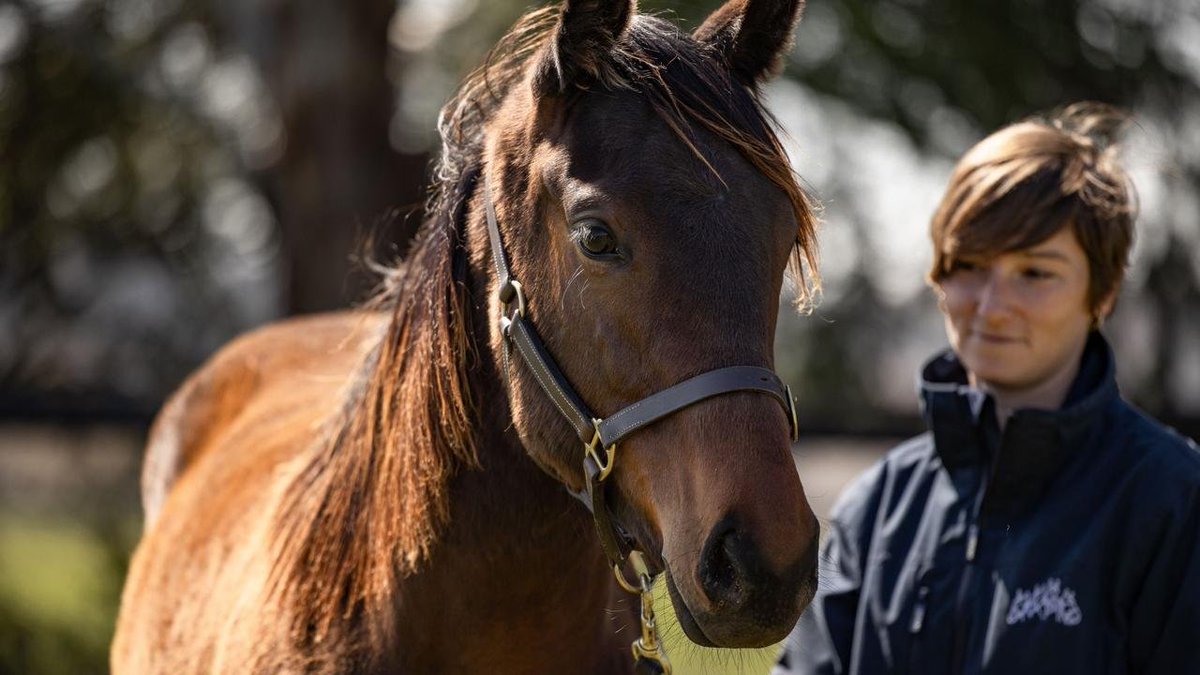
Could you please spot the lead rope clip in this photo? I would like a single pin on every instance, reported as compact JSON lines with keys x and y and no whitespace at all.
{"x":648,"y":654}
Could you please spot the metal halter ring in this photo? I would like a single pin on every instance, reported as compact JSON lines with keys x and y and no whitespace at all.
{"x":590,"y":450}
{"x":645,"y":581}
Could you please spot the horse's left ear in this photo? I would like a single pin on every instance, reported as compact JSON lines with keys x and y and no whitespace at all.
{"x":586,"y":31}
{"x":752,"y":35}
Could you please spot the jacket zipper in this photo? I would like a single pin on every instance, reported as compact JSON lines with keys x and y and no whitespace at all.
{"x":962,"y":621}
{"x":914,"y":629}
{"x":918,"y":615}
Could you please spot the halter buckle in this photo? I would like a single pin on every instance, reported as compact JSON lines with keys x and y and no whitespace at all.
{"x":508,"y":291}
{"x":793,"y":418}
{"x":591,"y":450}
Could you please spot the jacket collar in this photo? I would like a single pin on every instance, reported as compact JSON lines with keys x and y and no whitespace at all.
{"x":1035,"y":445}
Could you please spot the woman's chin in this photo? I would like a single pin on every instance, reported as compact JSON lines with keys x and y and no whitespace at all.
{"x":996,"y":369}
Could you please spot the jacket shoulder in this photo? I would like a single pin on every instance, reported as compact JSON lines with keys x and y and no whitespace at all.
{"x":917,"y":450}
{"x":1157,"y":446}
{"x":1162,"y":467}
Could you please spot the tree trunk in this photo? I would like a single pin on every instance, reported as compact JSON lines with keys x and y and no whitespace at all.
{"x":338,"y":180}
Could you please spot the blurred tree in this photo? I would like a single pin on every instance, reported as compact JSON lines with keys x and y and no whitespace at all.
{"x":177,"y":172}
{"x":101,"y":189}
{"x":325,"y":67}
{"x":229,"y":154}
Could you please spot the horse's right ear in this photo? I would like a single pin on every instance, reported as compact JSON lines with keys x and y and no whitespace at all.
{"x":586,"y":32}
{"x":752,"y":36}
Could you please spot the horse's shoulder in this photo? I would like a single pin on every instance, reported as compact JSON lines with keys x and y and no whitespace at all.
{"x":292,"y":355}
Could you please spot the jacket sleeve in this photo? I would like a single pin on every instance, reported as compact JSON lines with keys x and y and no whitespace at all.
{"x":1165,"y":627}
{"x":823,"y":639}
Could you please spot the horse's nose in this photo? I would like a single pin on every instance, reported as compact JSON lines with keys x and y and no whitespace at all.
{"x":737,"y":580}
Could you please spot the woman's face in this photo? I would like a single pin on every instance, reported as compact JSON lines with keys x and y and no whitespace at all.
{"x":1018,"y":318}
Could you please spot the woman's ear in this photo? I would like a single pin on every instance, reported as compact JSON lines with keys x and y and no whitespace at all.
{"x":1105,"y":307}
{"x":940,"y":294}
{"x":752,"y":36}
{"x":586,"y":32}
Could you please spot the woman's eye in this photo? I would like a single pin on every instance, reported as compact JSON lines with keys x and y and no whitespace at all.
{"x":595,"y":239}
{"x":964,"y":266}
{"x":1037,"y":273}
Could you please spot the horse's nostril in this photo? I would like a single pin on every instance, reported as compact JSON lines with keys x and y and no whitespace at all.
{"x":722,"y":568}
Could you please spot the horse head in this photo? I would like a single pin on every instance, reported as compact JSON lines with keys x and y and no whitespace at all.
{"x":650,"y":213}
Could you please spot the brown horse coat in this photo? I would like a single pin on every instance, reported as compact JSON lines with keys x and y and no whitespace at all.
{"x":253,"y":410}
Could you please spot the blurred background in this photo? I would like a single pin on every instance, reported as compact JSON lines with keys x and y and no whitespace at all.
{"x":175,"y":172}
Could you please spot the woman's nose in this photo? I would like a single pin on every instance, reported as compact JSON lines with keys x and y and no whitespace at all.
{"x":993,"y":299}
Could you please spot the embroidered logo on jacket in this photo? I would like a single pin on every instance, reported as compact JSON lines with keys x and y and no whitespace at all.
{"x":1045,"y":601}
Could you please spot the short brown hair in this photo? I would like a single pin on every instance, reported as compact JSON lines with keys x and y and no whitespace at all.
{"x":1021,"y":185}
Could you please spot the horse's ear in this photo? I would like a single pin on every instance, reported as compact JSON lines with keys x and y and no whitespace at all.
{"x":752,"y":35}
{"x":586,"y":31}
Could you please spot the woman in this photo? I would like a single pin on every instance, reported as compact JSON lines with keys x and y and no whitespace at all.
{"x":1043,"y":525}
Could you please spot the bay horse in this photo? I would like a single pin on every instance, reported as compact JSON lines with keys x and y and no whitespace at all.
{"x":382,"y":491}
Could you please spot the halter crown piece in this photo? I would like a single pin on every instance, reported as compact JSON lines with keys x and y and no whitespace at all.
{"x":600,"y":436}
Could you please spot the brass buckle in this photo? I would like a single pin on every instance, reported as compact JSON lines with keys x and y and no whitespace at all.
{"x":506,"y":319}
{"x":591,"y":448}
{"x":519,"y":292}
{"x":792,"y":417}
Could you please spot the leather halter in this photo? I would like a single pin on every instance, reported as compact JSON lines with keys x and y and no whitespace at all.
{"x":603,"y":434}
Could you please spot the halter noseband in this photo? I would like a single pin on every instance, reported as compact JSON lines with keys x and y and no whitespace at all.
{"x":599,"y":435}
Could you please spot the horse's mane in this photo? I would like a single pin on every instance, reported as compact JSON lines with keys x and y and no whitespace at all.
{"x":365,"y":508}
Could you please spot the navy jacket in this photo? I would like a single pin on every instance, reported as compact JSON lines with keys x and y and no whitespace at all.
{"x":1069,"y":543}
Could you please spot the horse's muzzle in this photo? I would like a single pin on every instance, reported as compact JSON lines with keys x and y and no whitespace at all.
{"x":745,"y":603}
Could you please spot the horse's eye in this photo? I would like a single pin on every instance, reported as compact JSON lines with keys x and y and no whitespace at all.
{"x":595,"y":239}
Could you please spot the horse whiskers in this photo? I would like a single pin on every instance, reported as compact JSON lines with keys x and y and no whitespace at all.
{"x":582,"y":291}
{"x":562,"y":305}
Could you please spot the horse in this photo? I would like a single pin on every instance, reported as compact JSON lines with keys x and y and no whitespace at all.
{"x":392,"y":489}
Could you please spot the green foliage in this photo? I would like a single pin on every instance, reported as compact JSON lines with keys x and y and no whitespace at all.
{"x":111,"y":158}
{"x":60,"y":583}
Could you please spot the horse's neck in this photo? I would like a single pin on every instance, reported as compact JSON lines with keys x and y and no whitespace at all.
{"x":511,"y":500}
{"x":517,"y":565}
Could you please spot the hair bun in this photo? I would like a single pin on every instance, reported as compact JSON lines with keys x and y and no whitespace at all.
{"x":1093,"y":125}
